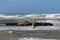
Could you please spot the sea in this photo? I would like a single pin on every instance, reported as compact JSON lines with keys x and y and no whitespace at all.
{"x":29,"y":33}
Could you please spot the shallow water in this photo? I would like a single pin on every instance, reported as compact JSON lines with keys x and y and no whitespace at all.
{"x":28,"y":33}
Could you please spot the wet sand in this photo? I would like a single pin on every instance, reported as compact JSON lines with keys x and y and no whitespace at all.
{"x":16,"y":35}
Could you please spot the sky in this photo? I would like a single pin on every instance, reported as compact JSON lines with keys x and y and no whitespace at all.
{"x":29,"y":6}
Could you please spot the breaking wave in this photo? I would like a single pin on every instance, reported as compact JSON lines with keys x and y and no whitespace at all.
{"x":29,"y":17}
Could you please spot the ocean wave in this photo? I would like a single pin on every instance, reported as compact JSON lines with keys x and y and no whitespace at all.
{"x":52,"y":16}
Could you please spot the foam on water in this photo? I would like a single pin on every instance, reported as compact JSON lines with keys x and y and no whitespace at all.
{"x":32,"y":39}
{"x":29,"y":28}
{"x":52,"y":16}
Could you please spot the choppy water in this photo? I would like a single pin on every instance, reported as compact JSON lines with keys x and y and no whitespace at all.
{"x":28,"y":33}
{"x":5,"y":18}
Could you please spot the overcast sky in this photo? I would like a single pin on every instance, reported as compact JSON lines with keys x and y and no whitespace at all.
{"x":29,"y":6}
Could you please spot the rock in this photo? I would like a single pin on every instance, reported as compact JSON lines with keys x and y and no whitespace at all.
{"x":30,"y":24}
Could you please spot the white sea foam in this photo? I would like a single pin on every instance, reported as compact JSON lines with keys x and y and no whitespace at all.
{"x":32,"y":39}
{"x":29,"y":17}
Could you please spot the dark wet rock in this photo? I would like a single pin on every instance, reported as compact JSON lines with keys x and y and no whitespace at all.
{"x":11,"y":23}
{"x":43,"y":24}
{"x":30,"y":23}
